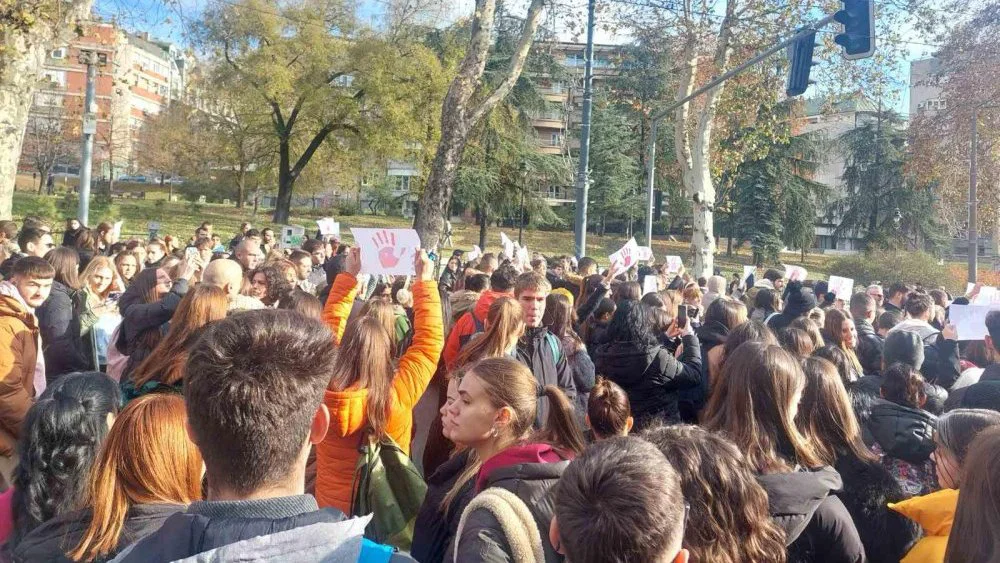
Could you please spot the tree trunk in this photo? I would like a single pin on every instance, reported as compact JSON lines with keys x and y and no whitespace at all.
{"x":43,"y":179}
{"x":241,"y":186}
{"x":484,"y":225}
{"x":458,"y":117}
{"x":286,"y":181}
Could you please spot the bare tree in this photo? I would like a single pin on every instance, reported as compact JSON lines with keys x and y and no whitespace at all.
{"x":47,"y":141}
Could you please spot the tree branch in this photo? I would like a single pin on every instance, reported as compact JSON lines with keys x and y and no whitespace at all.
{"x":315,"y":143}
{"x":516,"y":63}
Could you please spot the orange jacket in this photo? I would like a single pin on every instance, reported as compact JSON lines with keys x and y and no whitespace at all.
{"x":337,"y":454}
{"x":18,"y":355}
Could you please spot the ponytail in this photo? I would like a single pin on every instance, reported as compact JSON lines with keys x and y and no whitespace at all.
{"x":608,"y":409}
{"x":561,"y":429}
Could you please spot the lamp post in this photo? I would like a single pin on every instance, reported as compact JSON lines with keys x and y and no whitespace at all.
{"x":524,"y":182}
{"x":91,"y":59}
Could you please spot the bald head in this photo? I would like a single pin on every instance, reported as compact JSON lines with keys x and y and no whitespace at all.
{"x":249,"y":254}
{"x":224,"y":274}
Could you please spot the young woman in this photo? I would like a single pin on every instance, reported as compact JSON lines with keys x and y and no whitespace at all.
{"x":796,"y":341}
{"x":494,"y":417}
{"x":811,"y":328}
{"x":99,"y":312}
{"x":728,"y":520}
{"x":750,"y":331}
{"x":449,"y":489}
{"x":903,"y":431}
{"x":594,"y":329}
{"x":86,"y":245}
{"x":755,"y":404}
{"x":721,"y":316}
{"x":105,"y":238}
{"x":840,"y":331}
{"x":504,"y":326}
{"x":766,"y":303}
{"x":450,"y":275}
{"x":634,"y":359}
{"x":268,"y":284}
{"x":163,"y":370}
{"x":367,"y":392}
{"x":146,"y":306}
{"x":608,"y":411}
{"x":975,"y":535}
{"x":827,"y":419}
{"x":560,"y":319}
{"x":60,"y":438}
{"x":934,"y":512}
{"x":147,"y":470}
{"x":127,"y":264}
{"x":58,"y":320}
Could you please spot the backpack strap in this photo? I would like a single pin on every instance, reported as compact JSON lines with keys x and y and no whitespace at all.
{"x":516,"y":523}
{"x":555,"y":345}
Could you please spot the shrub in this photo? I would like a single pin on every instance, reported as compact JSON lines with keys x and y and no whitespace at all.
{"x":38,"y":205}
{"x":888,"y":266}
{"x":349,"y":208}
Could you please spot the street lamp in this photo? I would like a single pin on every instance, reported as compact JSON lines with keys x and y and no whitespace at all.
{"x":524,"y":182}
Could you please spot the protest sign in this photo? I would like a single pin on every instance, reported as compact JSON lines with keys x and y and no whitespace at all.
{"x":988,"y":295}
{"x":627,"y":256}
{"x":292,"y":236}
{"x":387,"y":251}
{"x":507,"y":245}
{"x":116,"y":230}
{"x":748,"y":271}
{"x":645,"y":253}
{"x":843,"y":288}
{"x":674,"y":264}
{"x":795,"y":273}
{"x":328,"y":227}
{"x":475,"y":254}
{"x":970,"y":320}
{"x":649,"y":284}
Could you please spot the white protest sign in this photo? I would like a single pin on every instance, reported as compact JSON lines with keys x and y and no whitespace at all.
{"x":843,"y":288}
{"x":988,"y":295}
{"x":795,"y":273}
{"x":649,"y":284}
{"x":969,"y":287}
{"x":748,"y":271}
{"x":387,"y":251}
{"x":627,"y":256}
{"x":117,"y":229}
{"x":523,"y":258}
{"x":507,"y":244}
{"x":474,"y":254}
{"x":645,"y":253}
{"x":328,"y":226}
{"x":674,"y":264}
{"x":970,"y":320}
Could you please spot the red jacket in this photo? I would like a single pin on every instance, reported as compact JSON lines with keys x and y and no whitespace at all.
{"x":466,"y":326}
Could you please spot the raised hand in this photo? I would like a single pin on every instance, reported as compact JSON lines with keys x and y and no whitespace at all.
{"x":353,"y":262}
{"x":423,"y":266}
{"x":385,"y":242}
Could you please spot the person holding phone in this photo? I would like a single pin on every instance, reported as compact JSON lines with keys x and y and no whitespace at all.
{"x":99,"y":317}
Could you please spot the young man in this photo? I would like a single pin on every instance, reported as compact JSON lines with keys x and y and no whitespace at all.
{"x":619,"y":501}
{"x":267,"y":242}
{"x":869,"y":348}
{"x":303,"y":269}
{"x":32,"y":241}
{"x":317,"y":251}
{"x":22,"y":367}
{"x":253,"y":389}
{"x":538,"y":349}
{"x":896,"y":298}
{"x":488,"y":263}
{"x":940,"y":347}
{"x":244,"y":229}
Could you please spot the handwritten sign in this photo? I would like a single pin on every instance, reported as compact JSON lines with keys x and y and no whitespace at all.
{"x":387,"y":251}
{"x":627,"y":256}
{"x":292,"y":236}
{"x":645,"y":253}
{"x":674,"y":264}
{"x":843,"y":288}
{"x":475,"y":254}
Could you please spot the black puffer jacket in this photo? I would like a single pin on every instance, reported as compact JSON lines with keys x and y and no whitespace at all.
{"x":869,"y":347}
{"x":434,"y":530}
{"x":651,"y":376}
{"x":53,"y":539}
{"x":482,"y":538}
{"x":868,"y":488}
{"x":59,"y":324}
{"x":139,"y":318}
{"x":871,"y":385}
{"x":817,"y":526}
{"x":902,"y":432}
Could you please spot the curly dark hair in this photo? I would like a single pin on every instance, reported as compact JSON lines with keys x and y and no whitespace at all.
{"x":277,"y":284}
{"x":61,"y":435}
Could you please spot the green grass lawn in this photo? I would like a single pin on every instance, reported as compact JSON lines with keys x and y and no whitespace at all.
{"x":181,"y":219}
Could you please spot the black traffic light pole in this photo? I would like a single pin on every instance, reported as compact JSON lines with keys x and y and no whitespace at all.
{"x":650,"y":169}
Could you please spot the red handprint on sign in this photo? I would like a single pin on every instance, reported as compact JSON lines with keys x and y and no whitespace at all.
{"x":627,"y":257}
{"x":385,"y":242}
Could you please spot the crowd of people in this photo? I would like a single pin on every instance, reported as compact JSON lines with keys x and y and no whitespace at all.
{"x":203,"y":400}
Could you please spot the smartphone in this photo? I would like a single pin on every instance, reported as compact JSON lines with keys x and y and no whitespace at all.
{"x":433,"y":256}
{"x":191,"y":252}
{"x":114,"y":296}
{"x":682,"y":316}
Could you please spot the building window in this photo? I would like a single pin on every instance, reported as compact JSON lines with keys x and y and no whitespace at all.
{"x":59,"y":53}
{"x":555,"y":140}
{"x":58,"y":78}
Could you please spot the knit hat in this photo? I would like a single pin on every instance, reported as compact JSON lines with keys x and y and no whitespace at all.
{"x":799,"y":300}
{"x":982,"y":395}
{"x":565,"y":293}
{"x":903,"y":346}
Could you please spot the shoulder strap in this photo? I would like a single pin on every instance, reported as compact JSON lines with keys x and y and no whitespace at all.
{"x":477,"y":323}
{"x":555,"y":345}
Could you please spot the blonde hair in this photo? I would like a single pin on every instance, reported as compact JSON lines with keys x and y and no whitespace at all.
{"x":96,"y":263}
{"x":505,"y":324}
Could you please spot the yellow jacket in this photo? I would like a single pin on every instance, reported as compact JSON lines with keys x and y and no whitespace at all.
{"x":935,"y":513}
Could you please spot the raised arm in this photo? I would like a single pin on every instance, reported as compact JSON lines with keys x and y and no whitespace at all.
{"x":342,"y":294}
{"x":418,"y":364}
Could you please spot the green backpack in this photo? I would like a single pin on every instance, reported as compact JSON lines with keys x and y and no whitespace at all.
{"x":388,"y":485}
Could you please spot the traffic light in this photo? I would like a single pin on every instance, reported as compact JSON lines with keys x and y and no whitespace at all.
{"x":858,"y":19}
{"x":800,"y":57}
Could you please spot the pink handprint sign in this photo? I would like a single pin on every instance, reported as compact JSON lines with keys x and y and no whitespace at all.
{"x":627,"y":256}
{"x":387,"y":251}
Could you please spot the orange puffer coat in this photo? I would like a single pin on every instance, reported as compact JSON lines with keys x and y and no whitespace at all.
{"x":337,"y":454}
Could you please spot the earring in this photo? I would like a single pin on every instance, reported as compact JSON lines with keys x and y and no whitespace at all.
{"x":493,"y":432}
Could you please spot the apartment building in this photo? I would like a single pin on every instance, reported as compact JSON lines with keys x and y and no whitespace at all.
{"x":137,"y":78}
{"x":925,"y":95}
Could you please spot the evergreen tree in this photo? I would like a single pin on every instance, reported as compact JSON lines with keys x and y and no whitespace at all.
{"x":616,"y":178}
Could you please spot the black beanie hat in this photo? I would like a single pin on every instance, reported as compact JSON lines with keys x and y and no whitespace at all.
{"x":982,"y":395}
{"x":799,"y":300}
{"x":903,"y":346}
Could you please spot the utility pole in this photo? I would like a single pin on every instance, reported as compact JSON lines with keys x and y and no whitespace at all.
{"x":650,"y":180}
{"x":91,"y":60}
{"x":973,"y":196}
{"x":583,"y":173}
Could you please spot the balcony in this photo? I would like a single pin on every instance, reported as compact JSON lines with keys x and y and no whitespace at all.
{"x":558,"y":194}
{"x":552,"y":119}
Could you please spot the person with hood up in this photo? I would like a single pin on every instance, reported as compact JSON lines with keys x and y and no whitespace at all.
{"x":255,"y":451}
{"x":22,"y":364}
{"x":716,"y":288}
{"x":502,"y":282}
{"x":935,"y":512}
{"x":634,"y":358}
{"x":902,"y":430}
{"x":800,"y":487}
{"x":512,"y":511}
{"x":941,"y":365}
{"x":799,"y":302}
{"x":366,"y":389}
